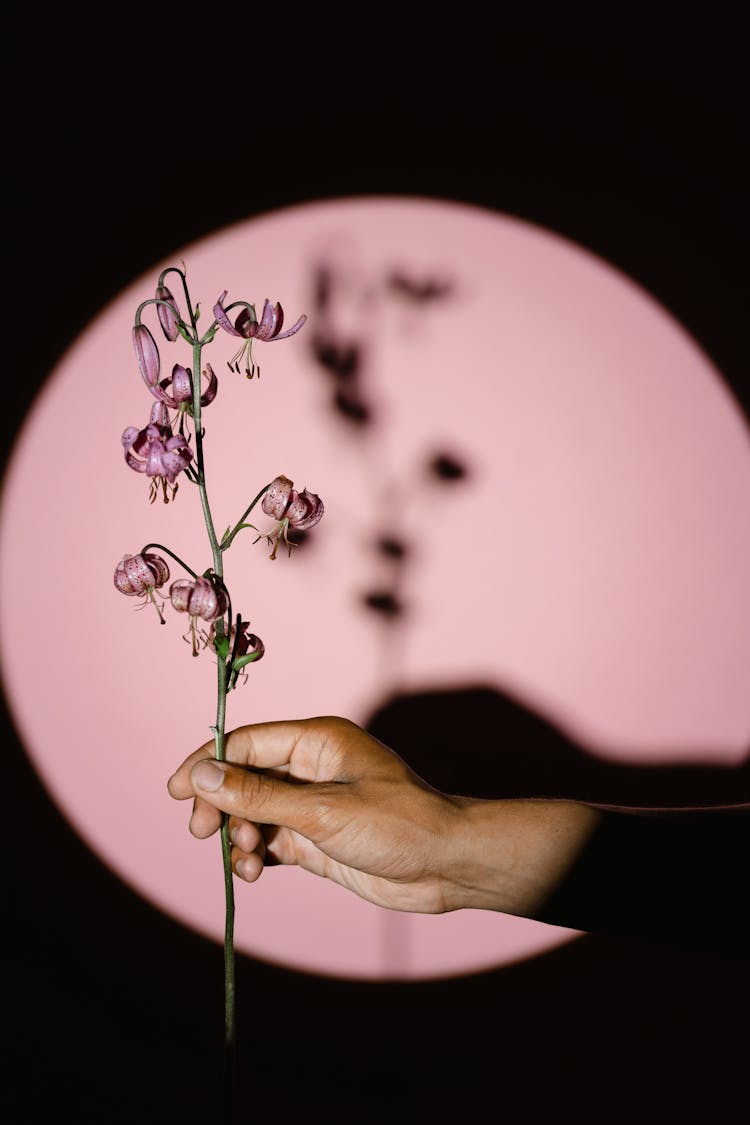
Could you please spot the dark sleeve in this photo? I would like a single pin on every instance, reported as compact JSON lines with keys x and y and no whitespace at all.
{"x":675,"y":879}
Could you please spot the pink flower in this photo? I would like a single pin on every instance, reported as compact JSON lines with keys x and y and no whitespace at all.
{"x":156,"y":452}
{"x":301,"y":510}
{"x":176,"y":392}
{"x":198,"y":597}
{"x":248,"y":327}
{"x":141,"y":575}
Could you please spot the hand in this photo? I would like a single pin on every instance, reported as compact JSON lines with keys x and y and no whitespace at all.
{"x":324,"y":794}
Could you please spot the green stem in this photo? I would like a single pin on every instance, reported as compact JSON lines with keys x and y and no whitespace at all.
{"x":228,"y":541}
{"x":219,"y":739}
{"x":176,"y":558}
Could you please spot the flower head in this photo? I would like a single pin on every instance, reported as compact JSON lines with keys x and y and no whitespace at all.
{"x":141,"y":575}
{"x":301,"y":510}
{"x":249,"y":328}
{"x":176,"y":392}
{"x":198,"y":597}
{"x":156,"y":452}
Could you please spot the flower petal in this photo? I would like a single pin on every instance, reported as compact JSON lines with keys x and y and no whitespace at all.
{"x":277,"y":497}
{"x":221,"y":317}
{"x":182,"y":384}
{"x":213,"y":385}
{"x":290,"y":331}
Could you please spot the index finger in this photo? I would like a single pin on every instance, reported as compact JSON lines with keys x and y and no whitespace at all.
{"x":263,"y":745}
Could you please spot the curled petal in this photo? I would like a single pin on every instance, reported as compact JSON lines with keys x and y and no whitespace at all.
{"x":207,"y":601}
{"x":182,"y":384}
{"x":129,"y":436}
{"x":179,"y":594}
{"x":265,"y":329}
{"x":305,"y":511}
{"x":147,"y":354}
{"x":221,"y":317}
{"x":277,"y":497}
{"x":158,"y":566}
{"x":290,"y":331}
{"x":213,"y":384}
{"x":247,"y":323}
{"x":167,"y":316}
{"x":159,"y":416}
{"x":138,"y":572}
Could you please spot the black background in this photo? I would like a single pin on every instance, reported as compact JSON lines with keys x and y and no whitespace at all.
{"x":125,"y":145}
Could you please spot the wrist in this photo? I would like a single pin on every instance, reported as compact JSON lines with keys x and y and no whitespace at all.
{"x":511,"y":854}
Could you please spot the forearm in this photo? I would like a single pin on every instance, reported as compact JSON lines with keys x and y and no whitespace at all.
{"x":511,"y":855}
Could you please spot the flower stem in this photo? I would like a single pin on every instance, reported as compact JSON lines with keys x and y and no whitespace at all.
{"x":228,"y":541}
{"x":219,"y":739}
{"x":176,"y":558}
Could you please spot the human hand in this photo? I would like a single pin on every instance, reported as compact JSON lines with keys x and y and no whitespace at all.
{"x":325,"y":795}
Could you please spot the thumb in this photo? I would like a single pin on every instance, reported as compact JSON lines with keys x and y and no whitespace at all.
{"x":256,"y":796}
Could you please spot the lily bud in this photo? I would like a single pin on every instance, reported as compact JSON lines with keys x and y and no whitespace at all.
{"x":147,"y":354}
{"x":167,"y":316}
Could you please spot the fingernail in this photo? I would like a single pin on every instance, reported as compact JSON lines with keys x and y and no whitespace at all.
{"x":233,"y":835}
{"x":208,"y":776}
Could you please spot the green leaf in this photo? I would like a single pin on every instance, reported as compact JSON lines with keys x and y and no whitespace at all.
{"x":222,"y":647}
{"x":241,"y":661}
{"x":210,"y":335}
{"x":197,"y":313}
{"x":226,"y":533}
{"x":183,"y":332}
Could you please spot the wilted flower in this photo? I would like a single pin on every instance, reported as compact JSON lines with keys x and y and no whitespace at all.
{"x":199,"y":597}
{"x":301,"y":510}
{"x":245,"y":648}
{"x":248,"y":327}
{"x":156,"y":452}
{"x":142,"y":575}
{"x":168,"y":317}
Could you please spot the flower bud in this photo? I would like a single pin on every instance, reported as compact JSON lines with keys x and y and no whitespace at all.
{"x":167,"y":316}
{"x":147,"y":354}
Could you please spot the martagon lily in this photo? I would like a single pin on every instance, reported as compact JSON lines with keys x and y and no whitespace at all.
{"x":248,"y":327}
{"x":154,"y":450}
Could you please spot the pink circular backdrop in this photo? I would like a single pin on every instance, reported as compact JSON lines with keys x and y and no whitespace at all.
{"x":596,"y":565}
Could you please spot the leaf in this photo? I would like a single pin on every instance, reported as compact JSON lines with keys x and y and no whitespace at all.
{"x":222,"y":647}
{"x":241,"y":661}
{"x":183,"y":332}
{"x":226,"y":533}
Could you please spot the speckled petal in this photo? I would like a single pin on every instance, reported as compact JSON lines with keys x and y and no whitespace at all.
{"x":277,"y":497}
{"x":182,"y":384}
{"x":179,"y":594}
{"x":221,"y":317}
{"x":213,"y":385}
{"x":290,"y":331}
